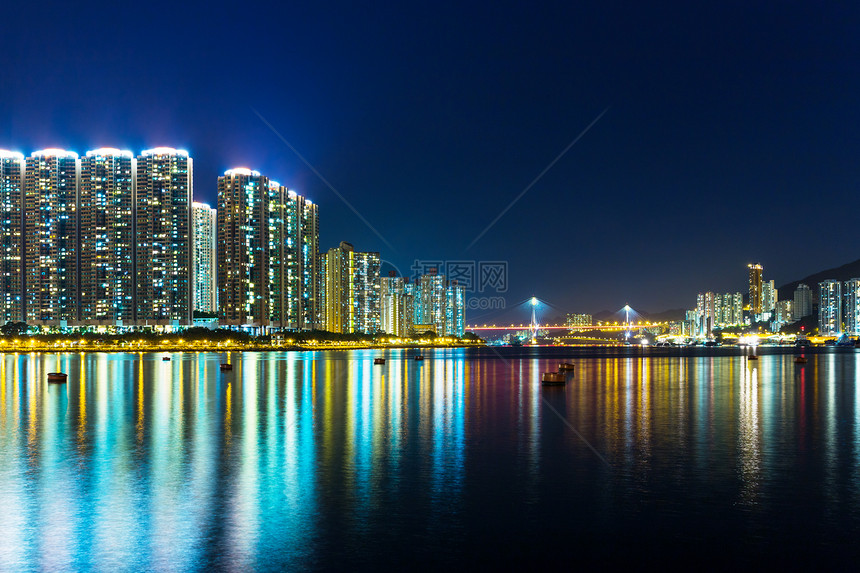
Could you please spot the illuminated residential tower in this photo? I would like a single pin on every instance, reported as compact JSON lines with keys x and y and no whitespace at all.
{"x":293,"y":226}
{"x":829,"y":307}
{"x":204,"y":263}
{"x":51,"y":237}
{"x":755,"y":290}
{"x":106,"y":210}
{"x":243,"y":249}
{"x":11,"y":197}
{"x":351,"y":297}
{"x":163,"y":237}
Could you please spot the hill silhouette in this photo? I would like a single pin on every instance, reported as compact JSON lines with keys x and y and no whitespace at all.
{"x":843,"y":273}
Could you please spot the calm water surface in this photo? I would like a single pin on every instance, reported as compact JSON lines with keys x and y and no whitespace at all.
{"x":326,"y":461}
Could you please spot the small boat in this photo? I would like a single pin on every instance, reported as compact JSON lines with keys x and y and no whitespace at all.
{"x":553,"y":378}
{"x":419,"y":357}
{"x":57,"y":378}
{"x":801,"y":360}
{"x":166,"y":358}
{"x":566,"y":367}
{"x":226,"y":366}
{"x":379,"y":360}
{"x":752,"y":357}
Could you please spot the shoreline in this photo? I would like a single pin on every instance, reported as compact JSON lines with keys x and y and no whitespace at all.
{"x":190,"y":348}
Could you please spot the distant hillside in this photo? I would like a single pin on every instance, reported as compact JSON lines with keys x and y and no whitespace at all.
{"x":843,"y":273}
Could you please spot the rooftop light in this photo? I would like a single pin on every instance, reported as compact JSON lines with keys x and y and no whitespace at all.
{"x":242,"y":171}
{"x":52,"y":152}
{"x":109,"y":152}
{"x":164,"y":151}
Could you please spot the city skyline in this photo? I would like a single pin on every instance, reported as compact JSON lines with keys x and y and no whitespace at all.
{"x":710,"y":110}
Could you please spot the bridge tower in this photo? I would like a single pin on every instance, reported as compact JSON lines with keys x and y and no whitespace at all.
{"x":533,"y":326}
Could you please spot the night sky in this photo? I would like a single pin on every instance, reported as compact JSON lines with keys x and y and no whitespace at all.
{"x":731,"y":134}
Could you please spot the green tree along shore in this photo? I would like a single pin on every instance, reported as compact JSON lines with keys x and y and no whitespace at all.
{"x":17,"y":337}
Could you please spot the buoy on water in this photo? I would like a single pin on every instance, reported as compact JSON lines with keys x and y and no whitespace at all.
{"x":57,"y":378}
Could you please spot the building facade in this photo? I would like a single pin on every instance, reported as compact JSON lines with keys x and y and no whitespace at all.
{"x":243,"y":249}
{"x":769,"y":296}
{"x":851,"y":307}
{"x":802,"y":301}
{"x":293,"y":224}
{"x":107,"y":283}
{"x":351,"y":298}
{"x":51,"y":238}
{"x":11,"y":241}
{"x":163,"y":237}
{"x":392,"y":306}
{"x":755,"y":289}
{"x":204,"y":258}
{"x":829,"y":307}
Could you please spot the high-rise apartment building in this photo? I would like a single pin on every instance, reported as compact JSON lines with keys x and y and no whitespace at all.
{"x":163,"y":237}
{"x":769,"y":296}
{"x":267,"y":257}
{"x":392,"y":306}
{"x":755,"y":289}
{"x":829,"y":307}
{"x":294,"y":282}
{"x":106,"y":207}
{"x":802,"y":301}
{"x":455,"y":310}
{"x":431,"y":302}
{"x":351,"y":298}
{"x":205,"y":264}
{"x":852,"y":306}
{"x":243,"y":248}
{"x":11,"y":264}
{"x":51,"y":237}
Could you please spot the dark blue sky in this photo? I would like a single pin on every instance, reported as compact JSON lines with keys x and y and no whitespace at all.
{"x":731,"y":136}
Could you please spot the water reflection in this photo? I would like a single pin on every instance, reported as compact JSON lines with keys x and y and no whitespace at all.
{"x":323,"y":459}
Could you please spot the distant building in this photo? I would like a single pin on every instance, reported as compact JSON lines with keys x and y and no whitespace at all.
{"x":243,"y":249}
{"x":163,"y":237}
{"x":11,"y":275}
{"x":691,"y":323}
{"x":755,"y":289}
{"x":829,"y":307}
{"x":579,"y":320}
{"x":351,"y":298}
{"x":392,"y":303}
{"x":51,"y":237}
{"x":769,"y":296}
{"x":802,"y":301}
{"x":106,"y":207}
{"x":706,"y":309}
{"x":294,"y":271}
{"x":205,"y":263}
{"x":852,"y":306}
{"x":455,"y":310}
{"x":783,"y":314}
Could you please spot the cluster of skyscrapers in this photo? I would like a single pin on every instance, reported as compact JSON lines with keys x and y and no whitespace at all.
{"x":837,"y":307}
{"x":113,"y":239}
